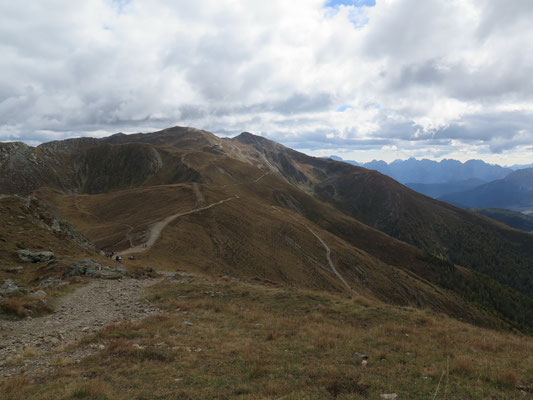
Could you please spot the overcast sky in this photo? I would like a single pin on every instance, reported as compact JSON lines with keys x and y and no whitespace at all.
{"x":362,"y":79}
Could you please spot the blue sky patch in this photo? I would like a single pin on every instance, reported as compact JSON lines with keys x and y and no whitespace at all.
{"x":354,"y":3}
{"x":344,"y":108}
{"x":356,"y":10}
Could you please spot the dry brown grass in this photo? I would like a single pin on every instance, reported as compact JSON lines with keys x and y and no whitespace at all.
{"x":485,"y":344}
{"x":507,"y":379}
{"x":95,"y":389}
{"x":25,"y":306}
{"x":14,"y":384}
{"x":266,"y":342}
{"x":463,"y":365}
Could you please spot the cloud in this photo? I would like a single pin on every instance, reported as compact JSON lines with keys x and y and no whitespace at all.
{"x":438,"y":77}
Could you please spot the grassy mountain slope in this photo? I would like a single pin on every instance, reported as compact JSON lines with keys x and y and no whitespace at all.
{"x":263,"y":234}
{"x":280,"y":199}
{"x":377,"y":200}
{"x":248,"y":238}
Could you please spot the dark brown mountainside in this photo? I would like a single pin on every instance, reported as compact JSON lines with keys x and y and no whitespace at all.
{"x":449,"y":232}
{"x":251,"y":207}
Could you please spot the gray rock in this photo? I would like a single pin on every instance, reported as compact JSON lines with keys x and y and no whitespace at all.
{"x":34,"y":256}
{"x":91,"y":268}
{"x":360,"y":355}
{"x":39,"y":294}
{"x":10,"y":288}
{"x":388,"y":396}
{"x":187,"y":323}
{"x":49,"y":282}
{"x":83,"y":267}
{"x":120,"y":268}
{"x":15,"y":270}
{"x":148,"y":268}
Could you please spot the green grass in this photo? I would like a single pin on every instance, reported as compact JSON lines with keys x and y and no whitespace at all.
{"x":250,"y":341}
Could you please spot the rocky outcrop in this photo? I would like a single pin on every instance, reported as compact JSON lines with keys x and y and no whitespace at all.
{"x":10,"y":288}
{"x":49,"y":282}
{"x":91,"y":268}
{"x":34,"y":256}
{"x":24,"y":169}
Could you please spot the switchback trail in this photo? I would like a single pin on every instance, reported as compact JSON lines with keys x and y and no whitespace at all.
{"x":155,"y":229}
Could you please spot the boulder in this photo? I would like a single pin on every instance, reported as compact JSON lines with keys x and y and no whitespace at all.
{"x":148,"y":269}
{"x":39,"y":294}
{"x":86,"y":266}
{"x":15,"y":270}
{"x":10,"y":288}
{"x":91,"y":268}
{"x":34,"y":256}
{"x":49,"y":282}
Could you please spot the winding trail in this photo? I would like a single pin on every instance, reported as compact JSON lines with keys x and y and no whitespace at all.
{"x":332,"y":266}
{"x":155,"y":229}
{"x":328,"y":255}
{"x":246,"y":183}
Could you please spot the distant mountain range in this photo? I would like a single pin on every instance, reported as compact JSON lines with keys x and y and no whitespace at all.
{"x":514,"y":192}
{"x":472,"y":184}
{"x":520,"y":166}
{"x":433,"y":172}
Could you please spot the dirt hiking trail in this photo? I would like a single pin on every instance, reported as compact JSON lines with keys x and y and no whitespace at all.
{"x":157,"y":228}
{"x":82,"y":312}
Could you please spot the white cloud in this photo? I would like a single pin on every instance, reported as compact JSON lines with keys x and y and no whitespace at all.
{"x":416,"y":75}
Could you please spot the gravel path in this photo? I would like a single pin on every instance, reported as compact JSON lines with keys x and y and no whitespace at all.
{"x":155,"y":229}
{"x":78,"y":314}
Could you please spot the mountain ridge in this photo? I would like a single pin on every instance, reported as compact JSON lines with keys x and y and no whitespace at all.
{"x":426,"y":171}
{"x":371,"y":222}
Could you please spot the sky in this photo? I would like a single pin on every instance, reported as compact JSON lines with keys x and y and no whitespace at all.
{"x":361,"y":79}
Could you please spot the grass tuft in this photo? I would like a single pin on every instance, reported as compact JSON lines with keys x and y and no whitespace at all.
{"x":22,"y":307}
